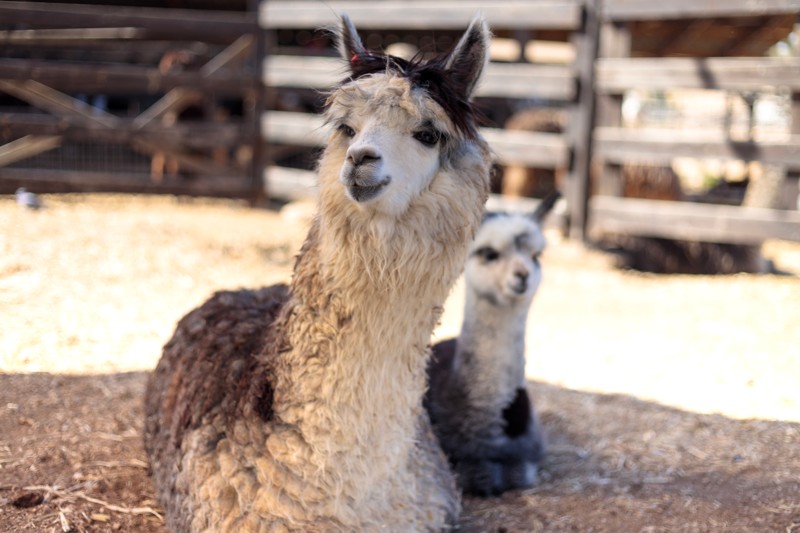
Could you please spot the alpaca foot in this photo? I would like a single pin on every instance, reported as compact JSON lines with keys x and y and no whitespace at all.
{"x":520,"y":475}
{"x":480,"y":478}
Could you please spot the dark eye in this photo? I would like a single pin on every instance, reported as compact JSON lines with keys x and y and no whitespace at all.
{"x":428,"y":137}
{"x":487,"y":254}
{"x":347,"y":131}
{"x":536,"y":257}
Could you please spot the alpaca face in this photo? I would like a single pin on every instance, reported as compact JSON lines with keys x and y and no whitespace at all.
{"x":396,"y":122}
{"x":391,"y":136}
{"x":503,"y":265}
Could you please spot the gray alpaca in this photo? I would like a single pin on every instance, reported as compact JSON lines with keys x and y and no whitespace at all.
{"x":477,"y":399}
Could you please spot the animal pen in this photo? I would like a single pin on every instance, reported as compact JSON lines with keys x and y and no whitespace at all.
{"x":595,"y":98}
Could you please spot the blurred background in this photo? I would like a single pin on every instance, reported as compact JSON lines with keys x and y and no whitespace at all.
{"x":154,"y":152}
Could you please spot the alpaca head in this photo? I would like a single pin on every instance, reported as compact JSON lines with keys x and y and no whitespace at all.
{"x":396,"y":123}
{"x":503,"y":264}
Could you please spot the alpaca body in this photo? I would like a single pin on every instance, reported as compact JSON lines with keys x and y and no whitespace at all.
{"x":300,"y":408}
{"x":478,"y":400}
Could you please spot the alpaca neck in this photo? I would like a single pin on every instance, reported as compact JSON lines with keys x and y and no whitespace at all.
{"x":366,"y":295}
{"x":490,"y":359}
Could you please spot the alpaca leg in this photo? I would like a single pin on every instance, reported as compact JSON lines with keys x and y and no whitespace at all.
{"x":520,"y":475}
{"x":481,"y":478}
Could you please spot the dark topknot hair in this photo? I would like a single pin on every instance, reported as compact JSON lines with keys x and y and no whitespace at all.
{"x":433,"y":77}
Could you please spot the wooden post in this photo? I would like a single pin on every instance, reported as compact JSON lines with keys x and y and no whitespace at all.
{"x":582,"y":123}
{"x":255,"y":110}
{"x":615,"y":41}
{"x":790,"y":194}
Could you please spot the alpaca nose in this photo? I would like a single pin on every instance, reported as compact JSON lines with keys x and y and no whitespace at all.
{"x":361,"y":155}
{"x":521,"y":279}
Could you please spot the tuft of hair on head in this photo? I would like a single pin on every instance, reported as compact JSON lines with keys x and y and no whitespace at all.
{"x":450,"y":80}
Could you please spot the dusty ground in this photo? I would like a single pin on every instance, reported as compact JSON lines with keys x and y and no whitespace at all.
{"x":671,"y":403}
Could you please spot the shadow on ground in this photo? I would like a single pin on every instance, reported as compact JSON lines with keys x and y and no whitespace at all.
{"x":71,"y":459}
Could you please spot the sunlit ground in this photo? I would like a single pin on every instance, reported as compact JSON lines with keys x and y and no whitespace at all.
{"x":95,"y":284}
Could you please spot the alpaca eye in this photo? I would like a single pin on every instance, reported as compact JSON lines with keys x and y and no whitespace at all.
{"x":428,"y":137}
{"x":488,"y":254}
{"x":536,"y":257}
{"x":347,"y":131}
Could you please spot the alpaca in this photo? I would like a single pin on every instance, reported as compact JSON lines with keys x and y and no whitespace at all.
{"x":299,"y":408}
{"x":520,"y":180}
{"x":477,"y":401}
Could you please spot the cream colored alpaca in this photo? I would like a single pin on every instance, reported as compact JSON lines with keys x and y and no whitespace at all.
{"x":300,"y":408}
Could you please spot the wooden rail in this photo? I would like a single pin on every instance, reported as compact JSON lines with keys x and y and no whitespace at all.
{"x":615,"y":75}
{"x":153,"y":23}
{"x":518,"y":80}
{"x":620,"y":10}
{"x":45,"y":180}
{"x":661,"y":147}
{"x":121,"y":79}
{"x":691,"y":221}
{"x":200,"y":135}
{"x":422,"y":14}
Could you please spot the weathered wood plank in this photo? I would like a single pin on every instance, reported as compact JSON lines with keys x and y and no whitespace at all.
{"x":122,"y":79}
{"x":701,"y":222}
{"x":615,"y":75}
{"x":303,"y":129}
{"x":519,"y":147}
{"x":587,"y":43}
{"x":421,"y":14}
{"x":68,"y":35}
{"x":516,"y":80}
{"x":159,"y":23}
{"x":196,"y":135}
{"x":533,"y":149}
{"x":676,"y":9}
{"x":662,"y":146}
{"x":27,"y":146}
{"x":49,"y":180}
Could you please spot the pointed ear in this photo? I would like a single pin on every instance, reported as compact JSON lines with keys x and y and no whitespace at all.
{"x":545,"y":206}
{"x":350,"y":46}
{"x":466,"y":62}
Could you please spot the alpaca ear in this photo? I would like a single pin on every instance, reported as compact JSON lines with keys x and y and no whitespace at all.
{"x":545,"y":206}
{"x":466,"y":62}
{"x":350,"y":45}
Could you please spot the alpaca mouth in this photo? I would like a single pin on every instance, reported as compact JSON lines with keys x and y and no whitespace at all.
{"x":365,"y":193}
{"x":519,"y":288}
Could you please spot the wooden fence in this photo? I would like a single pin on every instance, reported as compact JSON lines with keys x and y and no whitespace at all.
{"x":614,"y":145}
{"x":292,"y":68}
{"x":64,"y":62}
{"x":277,"y":64}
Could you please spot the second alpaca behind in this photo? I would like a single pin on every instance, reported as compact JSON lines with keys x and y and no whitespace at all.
{"x":478,"y":401}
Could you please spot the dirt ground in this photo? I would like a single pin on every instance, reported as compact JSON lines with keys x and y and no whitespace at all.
{"x":672,"y":403}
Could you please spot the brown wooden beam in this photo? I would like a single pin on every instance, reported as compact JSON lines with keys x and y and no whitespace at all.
{"x":618,"y":75}
{"x":121,"y":79}
{"x":27,"y":146}
{"x":761,"y":32}
{"x":200,"y":135}
{"x":691,"y":31}
{"x":311,"y":14}
{"x":622,"y":145}
{"x":48,"y":180}
{"x":685,"y":9}
{"x":690,"y":221}
{"x":158,"y":23}
{"x":69,"y":35}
